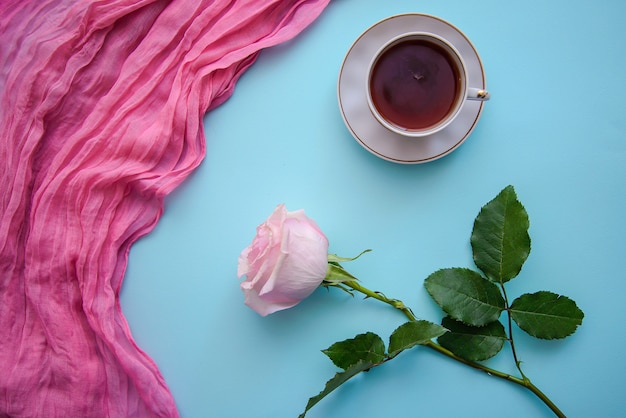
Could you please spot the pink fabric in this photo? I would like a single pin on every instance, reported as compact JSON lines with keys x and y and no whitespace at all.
{"x":101,"y":117}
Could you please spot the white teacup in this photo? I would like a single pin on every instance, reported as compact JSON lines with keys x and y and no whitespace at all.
{"x":417,"y":84}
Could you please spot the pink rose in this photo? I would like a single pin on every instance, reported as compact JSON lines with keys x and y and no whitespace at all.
{"x":286,"y":262}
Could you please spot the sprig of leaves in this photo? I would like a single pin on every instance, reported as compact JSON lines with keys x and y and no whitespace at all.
{"x":500,"y":245}
{"x":365,"y":351}
{"x":474,"y":302}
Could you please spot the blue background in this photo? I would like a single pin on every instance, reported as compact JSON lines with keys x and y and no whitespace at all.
{"x":555,"y":128}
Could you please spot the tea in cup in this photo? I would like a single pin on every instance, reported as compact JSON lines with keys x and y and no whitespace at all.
{"x":418,"y":83}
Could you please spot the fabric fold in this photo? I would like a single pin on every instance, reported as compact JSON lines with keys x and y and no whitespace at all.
{"x":101,"y":113}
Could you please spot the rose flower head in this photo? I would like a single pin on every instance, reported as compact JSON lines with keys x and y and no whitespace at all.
{"x":286,"y":261}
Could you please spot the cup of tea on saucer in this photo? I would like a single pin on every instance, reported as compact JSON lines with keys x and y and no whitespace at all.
{"x":411,"y":88}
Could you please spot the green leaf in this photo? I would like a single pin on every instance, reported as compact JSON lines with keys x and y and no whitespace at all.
{"x":336,"y":275}
{"x":546,"y":315}
{"x":465,"y":295}
{"x":369,"y":347}
{"x":473,"y":343}
{"x":411,"y":334}
{"x":500,"y":240}
{"x":334,"y":258}
{"x":338,"y":380}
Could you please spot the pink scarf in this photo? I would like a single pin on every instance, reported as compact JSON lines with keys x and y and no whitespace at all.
{"x":100,"y":118}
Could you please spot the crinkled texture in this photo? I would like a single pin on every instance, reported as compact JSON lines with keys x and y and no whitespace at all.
{"x":286,"y":261}
{"x":101,"y":107}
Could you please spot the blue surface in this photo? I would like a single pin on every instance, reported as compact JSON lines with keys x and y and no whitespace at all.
{"x":555,"y":129}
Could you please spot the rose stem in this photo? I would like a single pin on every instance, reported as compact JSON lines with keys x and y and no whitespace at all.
{"x":398,"y":304}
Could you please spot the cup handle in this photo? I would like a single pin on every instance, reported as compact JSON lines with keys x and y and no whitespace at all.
{"x":478,"y":94}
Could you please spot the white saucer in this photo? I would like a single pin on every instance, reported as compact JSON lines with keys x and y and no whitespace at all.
{"x":366,"y":129}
